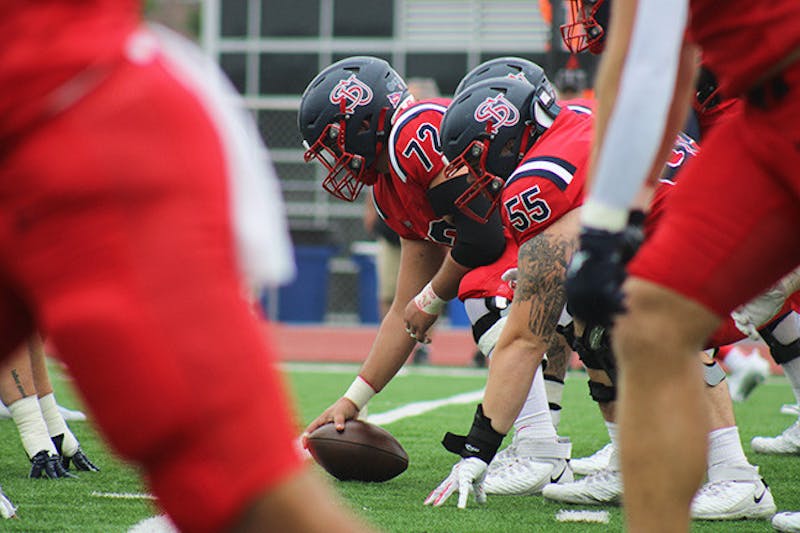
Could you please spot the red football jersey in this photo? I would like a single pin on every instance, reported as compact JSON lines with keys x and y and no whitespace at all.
{"x":487,"y":280}
{"x":415,"y":157}
{"x":741,"y":39}
{"x":48,"y":42}
{"x":549,"y":181}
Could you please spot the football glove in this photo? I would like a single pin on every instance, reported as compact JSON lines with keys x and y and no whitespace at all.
{"x":81,"y":462}
{"x":466,"y":477}
{"x":595,"y":276}
{"x":48,"y":466}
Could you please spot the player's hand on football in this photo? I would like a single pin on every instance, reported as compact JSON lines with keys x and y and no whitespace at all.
{"x":337,"y":413}
{"x":466,"y":478}
{"x":418,"y":322}
{"x":595,"y":276}
{"x":44,"y":465}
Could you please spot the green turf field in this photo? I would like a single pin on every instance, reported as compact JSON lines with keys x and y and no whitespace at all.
{"x":69,"y":505}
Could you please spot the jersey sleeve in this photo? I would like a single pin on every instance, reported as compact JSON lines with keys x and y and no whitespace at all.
{"x":415,"y":154}
{"x":540,"y":192}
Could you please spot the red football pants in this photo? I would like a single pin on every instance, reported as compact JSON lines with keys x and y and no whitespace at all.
{"x":115,"y":241}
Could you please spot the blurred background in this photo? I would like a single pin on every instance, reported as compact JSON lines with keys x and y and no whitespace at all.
{"x":271,"y":49}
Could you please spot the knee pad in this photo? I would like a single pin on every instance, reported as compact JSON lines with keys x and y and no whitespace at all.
{"x":781,"y":353}
{"x":713,"y":374}
{"x":602,"y":393}
{"x":594,"y":349}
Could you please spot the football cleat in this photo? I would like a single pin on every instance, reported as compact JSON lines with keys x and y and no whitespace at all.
{"x":787,"y":442}
{"x":791,"y":409}
{"x":527,"y":465}
{"x":733,"y":494}
{"x":593,"y":463}
{"x":81,"y":462}
{"x":747,"y":375}
{"x":600,"y":488}
{"x":44,"y":465}
{"x":7,"y":509}
{"x":786,"y":522}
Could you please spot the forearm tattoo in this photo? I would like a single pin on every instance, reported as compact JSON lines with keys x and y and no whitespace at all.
{"x":542,"y":267}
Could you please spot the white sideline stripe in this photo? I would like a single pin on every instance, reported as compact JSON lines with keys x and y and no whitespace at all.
{"x":123,"y":495}
{"x":352,"y":368}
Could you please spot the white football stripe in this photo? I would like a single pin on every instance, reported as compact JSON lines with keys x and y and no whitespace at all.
{"x":548,"y":166}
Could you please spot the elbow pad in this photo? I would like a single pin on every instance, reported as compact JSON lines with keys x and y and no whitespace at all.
{"x":476,"y":244}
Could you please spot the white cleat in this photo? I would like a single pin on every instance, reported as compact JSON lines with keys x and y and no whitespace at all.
{"x":527,"y":465}
{"x":787,"y":442}
{"x":790,"y":409}
{"x":7,"y":509}
{"x":747,"y":375}
{"x":733,"y":494}
{"x":786,"y":522}
{"x":601,"y":488}
{"x":593,"y":463}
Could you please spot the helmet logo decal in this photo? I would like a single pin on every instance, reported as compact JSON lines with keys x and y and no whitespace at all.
{"x":394,"y":98}
{"x":498,"y":111}
{"x":518,"y":76}
{"x":350,"y":93}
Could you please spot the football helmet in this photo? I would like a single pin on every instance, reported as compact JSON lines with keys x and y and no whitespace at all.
{"x":345,"y":117}
{"x":707,"y":95}
{"x":512,"y":67}
{"x":586,"y":25}
{"x":487,"y":130}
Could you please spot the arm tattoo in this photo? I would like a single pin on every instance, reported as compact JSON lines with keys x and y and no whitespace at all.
{"x":542,"y":264}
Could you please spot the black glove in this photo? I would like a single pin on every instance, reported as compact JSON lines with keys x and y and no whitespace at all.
{"x":81,"y":462}
{"x":79,"y":458}
{"x":595,"y":276}
{"x":48,"y":466}
{"x":482,"y":441}
{"x":633,"y":236}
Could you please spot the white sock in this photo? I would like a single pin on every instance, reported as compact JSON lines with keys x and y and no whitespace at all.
{"x":31,"y":426}
{"x":56,"y":424}
{"x":735,"y":359}
{"x":725,"y":448}
{"x":792,"y":372}
{"x":555,"y":390}
{"x":535,"y":414}
{"x":613,"y":435}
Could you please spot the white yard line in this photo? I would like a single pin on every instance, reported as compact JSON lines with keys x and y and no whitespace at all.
{"x":160,"y":524}
{"x":352,"y":368}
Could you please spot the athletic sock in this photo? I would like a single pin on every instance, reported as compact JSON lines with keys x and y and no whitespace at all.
{"x":57,"y":426}
{"x":555,"y":390}
{"x":725,"y":448}
{"x":31,"y":426}
{"x":613,"y":435}
{"x":535,"y":416}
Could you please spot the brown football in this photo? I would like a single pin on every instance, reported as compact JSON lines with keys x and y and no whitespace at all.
{"x":362,"y":452}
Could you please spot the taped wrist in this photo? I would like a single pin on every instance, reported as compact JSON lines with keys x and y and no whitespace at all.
{"x":481,"y":442}
{"x":428,"y":301}
{"x":360,"y":392}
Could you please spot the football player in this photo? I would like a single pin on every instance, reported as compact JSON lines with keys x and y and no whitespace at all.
{"x":26,"y":388}
{"x":523,"y":152}
{"x":696,"y":269}
{"x":358,"y":121}
{"x":136,"y":210}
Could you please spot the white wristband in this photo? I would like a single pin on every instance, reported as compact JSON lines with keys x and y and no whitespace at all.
{"x":428,"y":302}
{"x":599,"y":216}
{"x":360,"y":392}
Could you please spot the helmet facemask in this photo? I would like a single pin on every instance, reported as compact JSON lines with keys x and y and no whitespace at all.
{"x":584,"y":31}
{"x":347,"y":172}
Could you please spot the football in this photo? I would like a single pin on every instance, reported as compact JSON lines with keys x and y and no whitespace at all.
{"x":362,"y":452}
